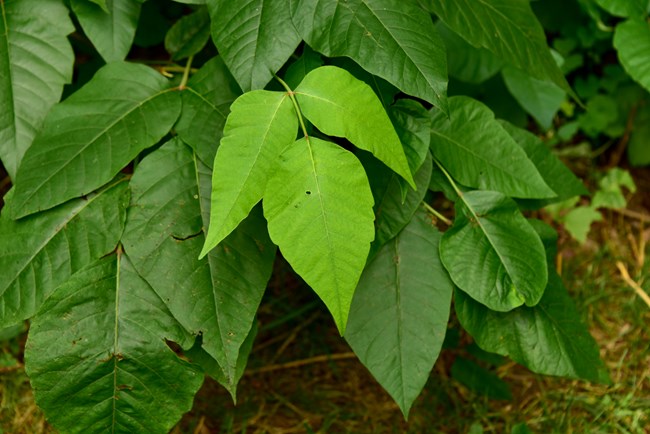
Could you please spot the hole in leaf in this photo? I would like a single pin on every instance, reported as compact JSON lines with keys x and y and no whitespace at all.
{"x":308,"y":192}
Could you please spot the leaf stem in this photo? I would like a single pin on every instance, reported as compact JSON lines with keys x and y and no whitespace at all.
{"x":433,"y":211}
{"x":186,"y":73}
{"x":449,"y":178}
{"x":291,"y":94}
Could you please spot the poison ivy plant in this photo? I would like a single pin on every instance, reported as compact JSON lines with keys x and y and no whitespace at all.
{"x":149,"y":204}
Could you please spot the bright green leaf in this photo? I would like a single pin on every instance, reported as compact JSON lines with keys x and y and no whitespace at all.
{"x":625,"y":8}
{"x":632,"y":42}
{"x":217,"y":296}
{"x":206,"y":102}
{"x":578,"y":221}
{"x":610,"y":193}
{"x":493,"y":254}
{"x":35,"y":62}
{"x":507,"y":28}
{"x":319,"y":208}
{"x":260,"y":126}
{"x":479,"y":153}
{"x":40,"y":252}
{"x":254,"y":37}
{"x":340,"y":105}
{"x":97,"y":359}
{"x":110,"y":29}
{"x":400,"y":310}
{"x":392,"y":39}
{"x":87,"y":139}
{"x":188,"y":35}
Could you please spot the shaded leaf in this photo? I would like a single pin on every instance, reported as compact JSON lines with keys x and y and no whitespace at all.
{"x":35,"y":62}
{"x":340,"y":105}
{"x":97,"y":359}
{"x":479,"y":153}
{"x":392,"y":39}
{"x":412,"y":123}
{"x":319,"y":208}
{"x":87,"y":139}
{"x":40,"y":252}
{"x":400,"y":310}
{"x":493,"y":254}
{"x":480,"y":380}
{"x":632,"y":42}
{"x":638,"y":150}
{"x":188,"y":35}
{"x":254,"y":37}
{"x":307,"y":62}
{"x":625,"y":8}
{"x":260,"y":126}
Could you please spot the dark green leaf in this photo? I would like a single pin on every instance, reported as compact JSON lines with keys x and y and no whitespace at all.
{"x":638,"y":150}
{"x":188,"y":35}
{"x":400,"y":310}
{"x":91,"y":136}
{"x":412,"y":123}
{"x":480,"y":380}
{"x":97,"y":359}
{"x":632,"y":42}
{"x":40,"y":252}
{"x":35,"y":62}
{"x":319,"y":208}
{"x":625,"y":8}
{"x":254,"y":37}
{"x":392,"y":39}
{"x":307,"y":62}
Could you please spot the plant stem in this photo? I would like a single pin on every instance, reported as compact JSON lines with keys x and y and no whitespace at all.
{"x":439,"y":216}
{"x":291,"y":94}
{"x":186,"y":73}
{"x":449,"y":178}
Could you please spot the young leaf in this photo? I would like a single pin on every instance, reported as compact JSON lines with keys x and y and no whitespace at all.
{"x":35,"y":62}
{"x":319,"y":208}
{"x":188,"y":35}
{"x":87,"y":139}
{"x":392,"y":39}
{"x":40,"y":252}
{"x":477,"y":151}
{"x":632,"y":42}
{"x":206,"y":102}
{"x":340,"y":105}
{"x":254,"y":37}
{"x":217,"y":296}
{"x":400,"y":310}
{"x":508,"y":28}
{"x":528,"y":335}
{"x":493,"y":254}
{"x":97,"y":359}
{"x":260,"y":125}
{"x":110,"y":29}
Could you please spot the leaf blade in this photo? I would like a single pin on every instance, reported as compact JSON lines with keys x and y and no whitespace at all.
{"x":632,"y":42}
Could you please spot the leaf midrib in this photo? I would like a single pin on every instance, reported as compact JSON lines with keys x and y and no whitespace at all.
{"x":10,"y":90}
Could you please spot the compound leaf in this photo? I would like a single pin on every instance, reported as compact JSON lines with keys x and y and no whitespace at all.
{"x":340,"y":105}
{"x":87,"y":139}
{"x":217,"y":296}
{"x":260,"y":126}
{"x":479,"y":153}
{"x":254,"y":37}
{"x":35,"y":62}
{"x":493,"y":254}
{"x":40,"y":252}
{"x":111,"y":29}
{"x":392,"y":39}
{"x":188,"y":35}
{"x":400,"y":310}
{"x":319,"y":208}
{"x":97,"y":359}
{"x":632,"y":42}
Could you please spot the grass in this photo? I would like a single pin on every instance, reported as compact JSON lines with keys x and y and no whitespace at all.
{"x":289,"y":388}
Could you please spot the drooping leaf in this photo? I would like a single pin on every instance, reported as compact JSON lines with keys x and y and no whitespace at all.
{"x":392,"y":39}
{"x":40,"y":252}
{"x":188,"y":35}
{"x":493,"y":254}
{"x":217,"y":296}
{"x":625,"y":8}
{"x":507,"y":28}
{"x":340,"y":105}
{"x":97,"y":358}
{"x":110,"y":29}
{"x":206,"y":104}
{"x":260,"y":126}
{"x":400,"y":310}
{"x":87,"y":139}
{"x":548,"y":338}
{"x":632,"y":42}
{"x":35,"y":62}
{"x":319,"y":208}
{"x":542,"y":99}
{"x":307,"y":62}
{"x":479,"y":153}
{"x":254,"y":37}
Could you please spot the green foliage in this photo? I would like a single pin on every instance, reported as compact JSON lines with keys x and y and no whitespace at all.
{"x":135,"y":226}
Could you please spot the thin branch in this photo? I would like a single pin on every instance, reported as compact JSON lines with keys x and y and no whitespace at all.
{"x":637,"y":288}
{"x":303,"y":362}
